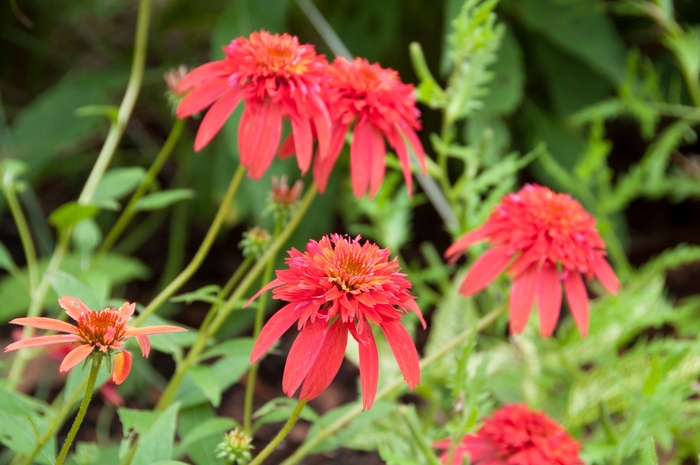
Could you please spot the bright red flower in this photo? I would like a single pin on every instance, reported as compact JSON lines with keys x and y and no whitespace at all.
{"x":543,"y":238}
{"x":277,"y":77}
{"x":380,"y":106}
{"x":96,"y":331}
{"x":335,"y":287}
{"x":515,"y":435}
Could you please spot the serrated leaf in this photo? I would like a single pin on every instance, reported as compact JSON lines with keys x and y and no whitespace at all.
{"x":163,"y":199}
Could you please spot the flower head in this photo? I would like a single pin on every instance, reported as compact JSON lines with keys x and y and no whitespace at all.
{"x":255,"y":242}
{"x":543,"y":238}
{"x":283,"y":199}
{"x":235,"y":447}
{"x":96,"y":331}
{"x":277,"y":77}
{"x":380,"y":106}
{"x":515,"y":435}
{"x":338,"y":286}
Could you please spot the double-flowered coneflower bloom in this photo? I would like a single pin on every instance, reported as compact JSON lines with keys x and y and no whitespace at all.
{"x":515,"y":435}
{"x":338,"y":286}
{"x":276,"y":77}
{"x":542,"y":238}
{"x":380,"y":106}
{"x":96,"y":331}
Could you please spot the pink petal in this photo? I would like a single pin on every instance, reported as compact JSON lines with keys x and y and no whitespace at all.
{"x":399,"y":146}
{"x":485,"y":269}
{"x":127,"y":309}
{"x":42,"y":341}
{"x":549,"y":295}
{"x":287,"y":148}
{"x":202,"y":96}
{"x":369,"y":365}
{"x":606,"y":275}
{"x":463,"y":243}
{"x":50,"y":324}
{"x":148,"y":330}
{"x":302,"y":356}
{"x":145,"y":345}
{"x":216,"y":117}
{"x":361,"y":157}
{"x":323,"y":167}
{"x":303,"y":142}
{"x":416,"y":146}
{"x":378,"y":162}
{"x":201,"y":74}
{"x":404,"y":351}
{"x":522,"y":298}
{"x":577,"y":297}
{"x":75,"y":356}
{"x":260,"y":138}
{"x":273,"y":284}
{"x":323,"y":126}
{"x":73,"y":307}
{"x":327,"y":363}
{"x":122,"y":366}
{"x":274,"y":329}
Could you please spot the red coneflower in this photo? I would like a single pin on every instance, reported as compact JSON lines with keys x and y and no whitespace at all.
{"x":338,"y":286}
{"x":380,"y":106}
{"x":277,"y":77}
{"x":543,"y":238}
{"x":96,"y":331}
{"x":515,"y":435}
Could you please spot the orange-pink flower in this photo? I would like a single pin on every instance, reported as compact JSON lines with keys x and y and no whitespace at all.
{"x":96,"y":331}
{"x":542,"y":238}
{"x":380,"y":106}
{"x":515,"y":435}
{"x":338,"y":286}
{"x":276,"y":77}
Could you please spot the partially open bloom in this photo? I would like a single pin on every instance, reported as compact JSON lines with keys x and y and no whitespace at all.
{"x":515,"y":435}
{"x":96,"y":331}
{"x":283,"y":199}
{"x":276,"y":77}
{"x":543,"y":238}
{"x":380,"y":106}
{"x":338,"y":286}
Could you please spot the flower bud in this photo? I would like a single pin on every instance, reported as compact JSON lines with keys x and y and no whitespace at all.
{"x":235,"y":447}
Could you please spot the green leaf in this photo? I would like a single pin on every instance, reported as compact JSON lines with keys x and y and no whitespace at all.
{"x":240,"y":347}
{"x":19,"y":404}
{"x":280,"y":409}
{"x":208,"y":294}
{"x":203,"y":430}
{"x":71,"y":213}
{"x":198,"y":427}
{"x":64,"y":283}
{"x":116,"y":183}
{"x":157,"y":443}
{"x":506,"y":88}
{"x":6,"y":261}
{"x":163,"y":199}
{"x":21,"y":433}
{"x":86,"y":237}
{"x":206,"y":380}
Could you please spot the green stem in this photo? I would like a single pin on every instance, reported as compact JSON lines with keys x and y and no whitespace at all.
{"x":108,"y":149}
{"x":281,"y":435}
{"x":25,"y":235}
{"x":253,"y":373}
{"x":322,"y":434}
{"x":205,"y":333}
{"x":96,"y":362}
{"x":202,"y":252}
{"x":130,"y":209}
{"x":127,"y":105}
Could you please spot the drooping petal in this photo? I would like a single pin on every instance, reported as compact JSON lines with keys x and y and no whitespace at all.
{"x":73,"y":307}
{"x":404,"y":350}
{"x":322,"y":125}
{"x":148,"y":330}
{"x":484,"y":270}
{"x":416,"y":145}
{"x":42,"y":341}
{"x":549,"y":295}
{"x":399,"y":146}
{"x":303,"y":354}
{"x":369,"y":365}
{"x":303,"y":142}
{"x":144,"y":344}
{"x":323,"y":167}
{"x":522,"y":298}
{"x":274,"y":329}
{"x":463,"y":243}
{"x":202,"y":96}
{"x":121,"y":367}
{"x":201,"y":74}
{"x":265,"y":130}
{"x":378,"y":167}
{"x":75,"y":356}
{"x":216,"y":117}
{"x":274,"y":283}
{"x":577,"y":297}
{"x":327,"y":363}
{"x":361,"y":157}
{"x":606,"y":275}
{"x":50,"y":324}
